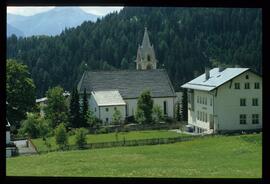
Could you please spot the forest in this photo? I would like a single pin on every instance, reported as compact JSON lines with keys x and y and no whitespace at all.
{"x":186,"y":40}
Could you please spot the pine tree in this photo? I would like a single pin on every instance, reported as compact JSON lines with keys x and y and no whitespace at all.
{"x":184,"y":106}
{"x":84,"y":109}
{"x":74,"y":110}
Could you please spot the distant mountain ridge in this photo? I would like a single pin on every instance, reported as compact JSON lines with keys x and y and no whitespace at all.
{"x":51,"y":22}
{"x":12,"y":30}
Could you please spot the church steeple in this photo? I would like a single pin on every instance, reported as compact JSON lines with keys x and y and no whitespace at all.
{"x":146,"y":58}
{"x":146,"y":41}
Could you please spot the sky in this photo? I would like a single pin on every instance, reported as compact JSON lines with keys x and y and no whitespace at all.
{"x":31,"y":10}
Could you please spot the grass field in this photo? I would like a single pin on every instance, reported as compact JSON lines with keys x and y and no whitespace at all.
{"x":209,"y":157}
{"x":40,"y":144}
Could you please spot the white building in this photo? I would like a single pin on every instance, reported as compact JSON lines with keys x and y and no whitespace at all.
{"x":131,"y":83}
{"x":225,"y":100}
{"x":104,"y":103}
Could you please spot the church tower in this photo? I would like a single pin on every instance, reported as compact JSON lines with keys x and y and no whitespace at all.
{"x":146,"y":59}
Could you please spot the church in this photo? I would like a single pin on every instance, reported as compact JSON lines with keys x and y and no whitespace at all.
{"x":120,"y":89}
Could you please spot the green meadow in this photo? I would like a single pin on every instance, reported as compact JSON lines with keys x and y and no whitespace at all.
{"x":208,"y":157}
{"x":92,"y":138}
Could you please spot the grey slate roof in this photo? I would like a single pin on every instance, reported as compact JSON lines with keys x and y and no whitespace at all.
{"x":216,"y":79}
{"x":130,"y":83}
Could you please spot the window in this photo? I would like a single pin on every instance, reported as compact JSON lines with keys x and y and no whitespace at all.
{"x":200,"y":116}
{"x":107,"y":120}
{"x":95,"y":109}
{"x":197,"y":99}
{"x":247,"y":85}
{"x":197,"y":115}
{"x":115,"y":108}
{"x":189,"y":98}
{"x":165,"y":107}
{"x":205,"y":117}
{"x":243,"y":119}
{"x":211,"y":101}
{"x":257,"y":85}
{"x":255,"y":101}
{"x":200,"y":100}
{"x":205,"y":100}
{"x":255,"y":118}
{"x":148,"y":58}
{"x":246,"y":76}
{"x":242,"y":102}
{"x":107,"y":109}
{"x":237,"y":85}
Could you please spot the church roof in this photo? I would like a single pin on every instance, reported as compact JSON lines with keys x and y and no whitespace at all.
{"x":107,"y":98}
{"x":129,"y":83}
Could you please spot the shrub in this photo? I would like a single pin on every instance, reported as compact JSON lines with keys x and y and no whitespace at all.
{"x":117,"y":116}
{"x":169,"y":120}
{"x":61,"y":136}
{"x":30,"y":126}
{"x":80,"y":137}
{"x":157,"y":113}
{"x":103,"y":131}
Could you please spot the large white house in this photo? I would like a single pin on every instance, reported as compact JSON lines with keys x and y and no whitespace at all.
{"x":121,"y":88}
{"x":225,"y":99}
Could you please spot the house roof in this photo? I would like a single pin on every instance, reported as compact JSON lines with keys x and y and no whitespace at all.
{"x":107,"y":98}
{"x":129,"y":83}
{"x":215,"y":80}
{"x":41,"y":99}
{"x":65,"y":94}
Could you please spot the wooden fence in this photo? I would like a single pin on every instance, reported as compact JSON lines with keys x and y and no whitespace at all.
{"x":139,"y":142}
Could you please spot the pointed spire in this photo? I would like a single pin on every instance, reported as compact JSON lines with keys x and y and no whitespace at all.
{"x":146,"y":41}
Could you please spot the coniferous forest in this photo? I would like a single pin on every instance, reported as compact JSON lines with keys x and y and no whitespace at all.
{"x":185,"y":41}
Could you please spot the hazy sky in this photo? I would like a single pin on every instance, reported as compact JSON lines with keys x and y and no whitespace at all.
{"x":31,"y":10}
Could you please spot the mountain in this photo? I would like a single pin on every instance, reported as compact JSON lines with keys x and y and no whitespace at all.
{"x":12,"y":30}
{"x":52,"y":22}
{"x":185,"y":40}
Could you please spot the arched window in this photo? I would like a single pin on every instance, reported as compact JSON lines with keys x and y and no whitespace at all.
{"x":139,"y":66}
{"x":149,"y":67}
{"x":165,"y":107}
{"x":148,"y":58}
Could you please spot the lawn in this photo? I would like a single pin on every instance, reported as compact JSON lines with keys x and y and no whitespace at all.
{"x":91,"y":138}
{"x":209,"y":157}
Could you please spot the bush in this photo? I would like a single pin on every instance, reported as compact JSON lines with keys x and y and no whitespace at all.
{"x":103,"y":131}
{"x":61,"y":136}
{"x":157,"y":113}
{"x":169,"y":120}
{"x":30,"y":126}
{"x":80,"y":137}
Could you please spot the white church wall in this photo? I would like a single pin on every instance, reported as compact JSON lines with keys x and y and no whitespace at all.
{"x":132,"y":105}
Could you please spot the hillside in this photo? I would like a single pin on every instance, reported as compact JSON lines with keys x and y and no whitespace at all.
{"x":185,"y":41}
{"x":12,"y":30}
{"x":51,"y":22}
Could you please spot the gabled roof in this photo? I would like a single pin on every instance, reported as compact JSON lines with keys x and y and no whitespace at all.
{"x":107,"y":98}
{"x":129,"y":83}
{"x":215,"y":80}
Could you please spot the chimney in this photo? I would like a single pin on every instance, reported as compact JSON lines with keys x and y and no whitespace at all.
{"x":207,"y":73}
{"x":220,"y":68}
